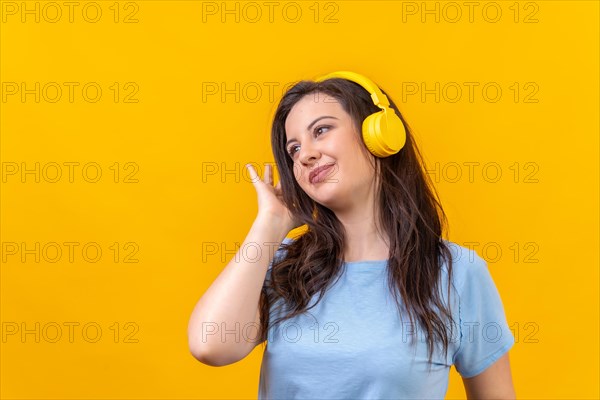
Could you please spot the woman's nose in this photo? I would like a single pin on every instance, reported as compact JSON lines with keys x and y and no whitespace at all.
{"x":308,"y":153}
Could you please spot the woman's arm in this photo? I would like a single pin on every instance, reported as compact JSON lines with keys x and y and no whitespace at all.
{"x":221,"y":316}
{"x":493,"y":383}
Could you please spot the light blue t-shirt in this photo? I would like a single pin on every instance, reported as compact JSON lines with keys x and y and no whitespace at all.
{"x":353,"y":344}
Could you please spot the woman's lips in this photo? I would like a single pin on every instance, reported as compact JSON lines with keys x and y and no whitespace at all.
{"x":320,"y":176}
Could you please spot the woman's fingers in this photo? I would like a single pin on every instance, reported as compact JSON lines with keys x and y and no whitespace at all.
{"x":267,"y":177}
{"x":253,"y":175}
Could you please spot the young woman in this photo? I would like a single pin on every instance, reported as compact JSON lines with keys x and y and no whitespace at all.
{"x":371,"y":301}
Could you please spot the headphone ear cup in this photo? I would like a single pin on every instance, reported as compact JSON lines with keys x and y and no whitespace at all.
{"x":383,"y":133}
{"x":370,"y":132}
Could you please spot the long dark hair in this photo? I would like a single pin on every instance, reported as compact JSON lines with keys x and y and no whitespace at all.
{"x":410,"y":214}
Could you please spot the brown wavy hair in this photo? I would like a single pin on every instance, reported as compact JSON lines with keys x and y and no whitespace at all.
{"x":410,"y":214}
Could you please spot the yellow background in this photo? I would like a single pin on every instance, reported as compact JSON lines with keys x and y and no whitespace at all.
{"x":173,"y":136}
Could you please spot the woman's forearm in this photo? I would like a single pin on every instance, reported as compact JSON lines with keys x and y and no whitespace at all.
{"x":223,"y":316}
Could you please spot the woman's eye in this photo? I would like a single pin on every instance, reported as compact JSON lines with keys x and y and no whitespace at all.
{"x":321,"y":127}
{"x":292,"y":149}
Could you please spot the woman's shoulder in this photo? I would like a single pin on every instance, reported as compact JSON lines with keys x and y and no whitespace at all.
{"x":281,"y":250}
{"x":282,"y":247}
{"x":467,"y":264}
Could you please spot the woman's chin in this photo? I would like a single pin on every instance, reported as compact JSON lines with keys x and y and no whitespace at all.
{"x":327,"y":199}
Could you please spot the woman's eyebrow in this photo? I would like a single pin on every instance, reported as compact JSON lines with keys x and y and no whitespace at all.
{"x":311,"y":125}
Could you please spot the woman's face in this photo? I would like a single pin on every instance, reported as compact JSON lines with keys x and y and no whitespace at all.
{"x":320,"y":133}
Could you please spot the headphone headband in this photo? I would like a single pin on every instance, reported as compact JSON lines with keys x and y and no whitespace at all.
{"x":377,"y":95}
{"x":383,"y":132}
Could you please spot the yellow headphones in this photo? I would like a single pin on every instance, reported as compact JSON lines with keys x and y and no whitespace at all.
{"x":383,"y":132}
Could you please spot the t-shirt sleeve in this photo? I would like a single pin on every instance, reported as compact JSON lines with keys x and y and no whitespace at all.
{"x":276,"y":307}
{"x":484,"y":332}
{"x":279,"y":254}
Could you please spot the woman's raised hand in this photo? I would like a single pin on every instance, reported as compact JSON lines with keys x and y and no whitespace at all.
{"x":270,"y":199}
